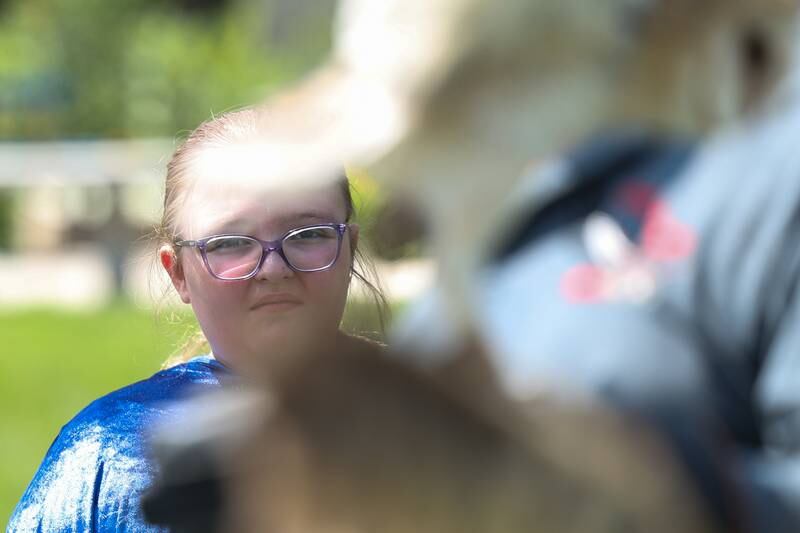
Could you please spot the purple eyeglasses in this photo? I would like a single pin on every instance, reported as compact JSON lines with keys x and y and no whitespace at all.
{"x":233,"y":257}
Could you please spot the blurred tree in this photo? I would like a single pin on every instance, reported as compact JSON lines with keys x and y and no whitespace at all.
{"x":202,"y":5}
{"x":92,"y":68}
{"x":293,"y":24}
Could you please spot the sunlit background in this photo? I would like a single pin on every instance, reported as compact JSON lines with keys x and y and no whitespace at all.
{"x":94,"y":97}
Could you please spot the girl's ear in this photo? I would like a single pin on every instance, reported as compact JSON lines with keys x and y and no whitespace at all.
{"x":169,"y":260}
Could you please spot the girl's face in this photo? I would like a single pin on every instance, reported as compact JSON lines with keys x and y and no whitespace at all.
{"x":277,"y":311}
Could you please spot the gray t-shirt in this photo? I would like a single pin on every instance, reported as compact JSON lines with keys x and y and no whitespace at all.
{"x":664,"y":279}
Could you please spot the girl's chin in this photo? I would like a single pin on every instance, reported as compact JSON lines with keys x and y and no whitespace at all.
{"x":283,"y":340}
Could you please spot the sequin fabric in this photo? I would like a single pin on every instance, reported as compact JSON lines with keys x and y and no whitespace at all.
{"x":96,"y":470}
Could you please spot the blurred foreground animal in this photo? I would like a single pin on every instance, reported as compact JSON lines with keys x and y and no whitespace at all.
{"x":352,"y":440}
{"x":356,"y":442}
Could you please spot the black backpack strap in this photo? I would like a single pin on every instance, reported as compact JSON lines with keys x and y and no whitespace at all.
{"x":594,"y":168}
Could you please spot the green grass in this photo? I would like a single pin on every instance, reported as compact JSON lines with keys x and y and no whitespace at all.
{"x":53,"y":363}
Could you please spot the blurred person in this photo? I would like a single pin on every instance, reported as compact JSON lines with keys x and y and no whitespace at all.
{"x":266,"y":271}
{"x":661,"y":274}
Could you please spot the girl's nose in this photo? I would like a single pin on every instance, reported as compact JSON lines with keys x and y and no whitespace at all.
{"x":274,"y":268}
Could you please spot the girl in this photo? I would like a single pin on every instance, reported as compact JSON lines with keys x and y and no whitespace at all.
{"x":266,"y":272}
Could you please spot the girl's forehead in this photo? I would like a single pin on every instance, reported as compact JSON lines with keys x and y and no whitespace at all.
{"x":247,"y":185}
{"x":219,"y":206}
{"x":261,"y":163}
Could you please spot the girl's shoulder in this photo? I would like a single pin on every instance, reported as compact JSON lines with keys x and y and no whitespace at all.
{"x":118,"y":422}
{"x":125,"y":407}
{"x":98,"y":465}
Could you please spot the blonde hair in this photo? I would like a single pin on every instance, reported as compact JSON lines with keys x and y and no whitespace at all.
{"x":225,"y":129}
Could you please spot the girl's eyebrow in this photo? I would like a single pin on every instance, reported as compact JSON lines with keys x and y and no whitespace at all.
{"x":246,"y":225}
{"x":231,"y":225}
{"x":307,"y":217}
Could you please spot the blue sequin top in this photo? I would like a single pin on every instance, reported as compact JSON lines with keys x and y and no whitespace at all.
{"x":97,"y":469}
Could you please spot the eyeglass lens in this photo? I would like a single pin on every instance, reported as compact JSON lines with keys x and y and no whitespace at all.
{"x":233,"y":257}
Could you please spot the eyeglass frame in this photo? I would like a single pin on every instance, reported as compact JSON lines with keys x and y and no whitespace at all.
{"x":267,"y":247}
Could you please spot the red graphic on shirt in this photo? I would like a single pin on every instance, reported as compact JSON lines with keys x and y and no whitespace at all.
{"x":664,"y":237}
{"x":622,"y":270}
{"x":583,"y":284}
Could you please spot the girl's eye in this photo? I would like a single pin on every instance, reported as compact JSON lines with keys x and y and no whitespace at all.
{"x":229,"y":244}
